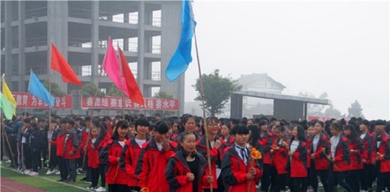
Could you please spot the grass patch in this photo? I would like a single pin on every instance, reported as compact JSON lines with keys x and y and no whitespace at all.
{"x":41,"y":183}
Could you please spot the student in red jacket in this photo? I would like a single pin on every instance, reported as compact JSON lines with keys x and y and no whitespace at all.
{"x":187,"y":125}
{"x":367,"y":139}
{"x":297,"y":163}
{"x":175,"y":131}
{"x":71,"y":152}
{"x":132,"y":150}
{"x":186,"y":170}
{"x":226,"y":138}
{"x":214,"y":146}
{"x":340,"y":158}
{"x":116,"y":178}
{"x":280,"y":154}
{"x":150,"y":169}
{"x":383,"y":156}
{"x":309,"y":135}
{"x":265,"y":143}
{"x":100,"y":142}
{"x":93,"y":158}
{"x":356,"y":150}
{"x":236,"y":169}
{"x":59,"y":143}
{"x":319,"y":163}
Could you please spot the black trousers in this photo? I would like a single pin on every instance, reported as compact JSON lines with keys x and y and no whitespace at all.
{"x":383,"y":181}
{"x":281,"y":183}
{"x":297,"y":183}
{"x":35,"y":156}
{"x":43,"y":155}
{"x":102,"y":171}
{"x":71,"y":167}
{"x":352,"y":179}
{"x":27,"y":156}
{"x":266,"y":177}
{"x":88,"y":170}
{"x":118,"y":188}
{"x":339,"y":178}
{"x":313,"y":177}
{"x":53,"y":157}
{"x":13,"y":153}
{"x":274,"y":174}
{"x":63,"y":169}
{"x":94,"y":176}
{"x":306,"y":181}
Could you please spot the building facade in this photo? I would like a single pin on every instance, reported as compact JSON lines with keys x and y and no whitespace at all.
{"x":147,"y":31}
{"x":259,"y":82}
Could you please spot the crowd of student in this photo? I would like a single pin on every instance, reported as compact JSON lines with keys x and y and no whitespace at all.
{"x":151,"y":154}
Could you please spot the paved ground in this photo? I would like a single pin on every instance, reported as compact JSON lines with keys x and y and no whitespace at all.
{"x":13,"y":186}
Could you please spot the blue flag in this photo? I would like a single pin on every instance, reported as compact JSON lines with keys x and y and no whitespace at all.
{"x":37,"y":89}
{"x":182,"y":57}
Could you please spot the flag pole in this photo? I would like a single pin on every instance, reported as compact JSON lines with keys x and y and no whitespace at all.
{"x":121,"y":75}
{"x":203,"y":102}
{"x":97,"y":90}
{"x":6,"y":136}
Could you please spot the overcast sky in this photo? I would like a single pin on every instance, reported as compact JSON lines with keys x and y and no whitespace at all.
{"x":341,"y":48}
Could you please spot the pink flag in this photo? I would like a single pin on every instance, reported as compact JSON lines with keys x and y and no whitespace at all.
{"x":111,"y":67}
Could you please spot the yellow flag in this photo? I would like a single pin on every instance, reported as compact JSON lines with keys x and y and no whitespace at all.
{"x":7,"y":93}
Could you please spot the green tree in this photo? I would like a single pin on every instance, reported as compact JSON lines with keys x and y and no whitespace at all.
{"x":332,"y":112}
{"x":55,"y":89}
{"x":314,"y":109}
{"x":355,"y":110}
{"x":114,"y":91}
{"x":217,"y":91}
{"x":91,"y":89}
{"x":162,"y":94}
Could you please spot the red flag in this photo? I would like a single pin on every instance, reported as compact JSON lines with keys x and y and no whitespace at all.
{"x":59,"y":64}
{"x":134,"y":92}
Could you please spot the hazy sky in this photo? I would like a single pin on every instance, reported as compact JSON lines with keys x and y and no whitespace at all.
{"x":341,"y":48}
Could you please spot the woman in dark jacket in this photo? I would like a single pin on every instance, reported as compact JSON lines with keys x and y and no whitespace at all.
{"x":186,"y":169}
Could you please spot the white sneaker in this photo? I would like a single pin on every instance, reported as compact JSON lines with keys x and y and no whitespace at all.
{"x":27,"y":172}
{"x":100,"y":189}
{"x":49,"y":172}
{"x":32,"y":173}
{"x":58,"y":172}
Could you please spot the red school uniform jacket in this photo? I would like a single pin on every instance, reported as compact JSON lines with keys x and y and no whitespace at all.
{"x":234,"y":171}
{"x":384,"y":153}
{"x":298,"y":163}
{"x":280,"y":155}
{"x":93,"y":155}
{"x":177,"y":169}
{"x":229,"y":141}
{"x":321,"y":162}
{"x":356,"y":157}
{"x":215,"y":159}
{"x":129,"y":158}
{"x":72,"y":145}
{"x":342,"y":156}
{"x":266,"y":143}
{"x":109,"y":157}
{"x":308,"y":147}
{"x":60,"y":142}
{"x":367,"y":148}
{"x":150,"y":169}
{"x":84,"y":136}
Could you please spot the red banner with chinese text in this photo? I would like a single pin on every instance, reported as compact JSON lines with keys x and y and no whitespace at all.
{"x":26,"y":100}
{"x":109,"y":102}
